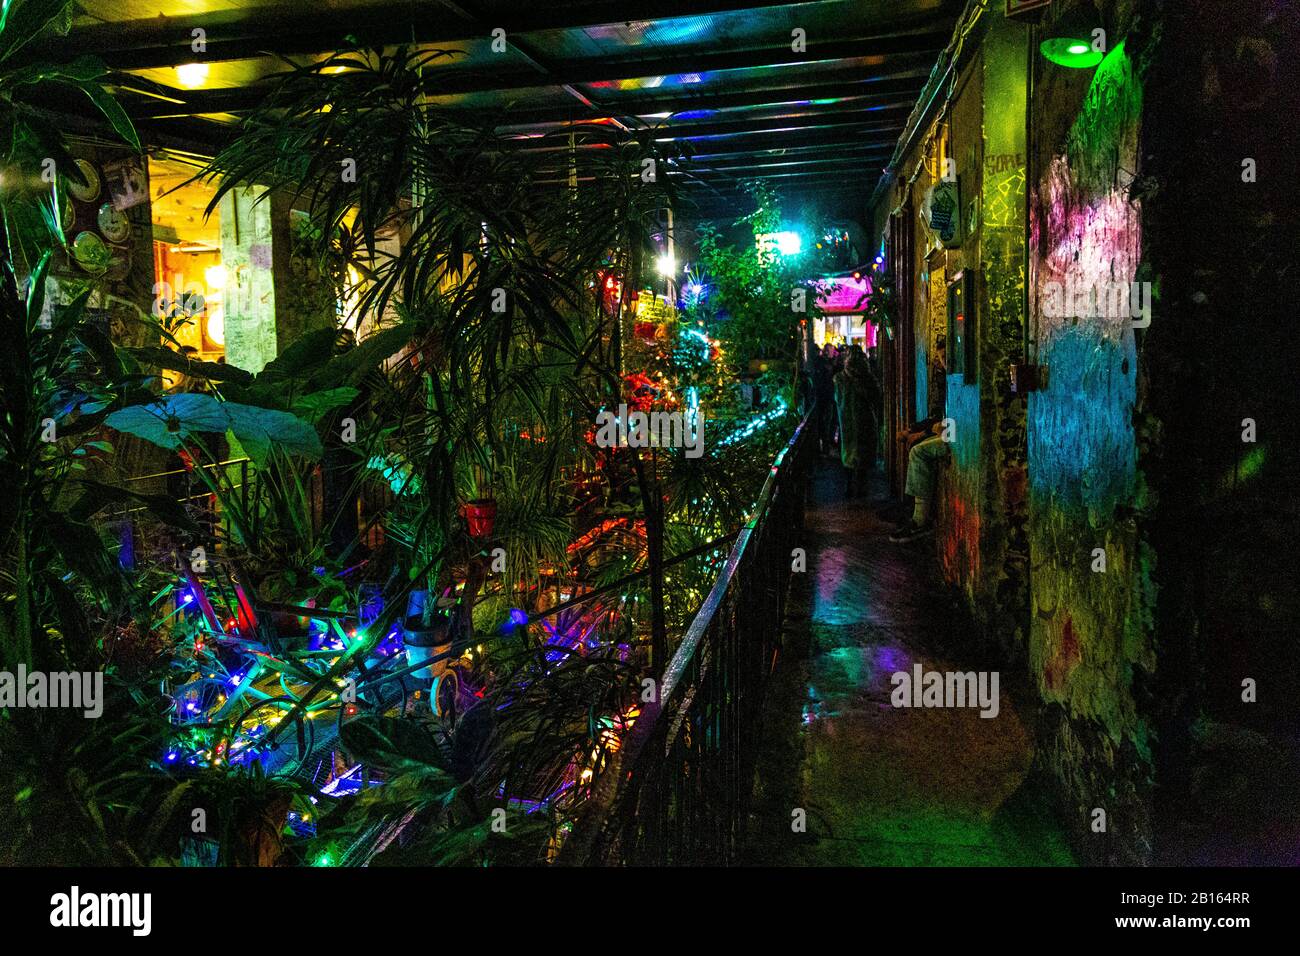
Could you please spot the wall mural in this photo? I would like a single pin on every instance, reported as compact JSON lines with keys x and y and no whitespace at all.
{"x":1089,"y":628}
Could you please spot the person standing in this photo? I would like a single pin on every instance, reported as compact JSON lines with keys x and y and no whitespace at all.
{"x":856,"y":389}
{"x":824,"y":389}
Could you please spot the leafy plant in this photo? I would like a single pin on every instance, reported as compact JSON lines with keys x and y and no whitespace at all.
{"x":59,"y":385}
{"x":35,"y":158}
{"x":749,"y":306}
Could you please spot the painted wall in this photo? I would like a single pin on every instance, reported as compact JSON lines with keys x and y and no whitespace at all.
{"x":981,"y":505}
{"x":1035,"y":484}
{"x":1116,"y":532}
{"x":1090,"y":638}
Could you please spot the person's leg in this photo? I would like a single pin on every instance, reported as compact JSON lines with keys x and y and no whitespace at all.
{"x":922,"y":476}
{"x":824,"y":411}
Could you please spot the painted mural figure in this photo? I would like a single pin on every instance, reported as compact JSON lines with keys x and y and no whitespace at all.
{"x":926,"y":456}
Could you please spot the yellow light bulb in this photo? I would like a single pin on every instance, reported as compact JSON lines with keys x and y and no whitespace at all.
{"x":192,"y":75}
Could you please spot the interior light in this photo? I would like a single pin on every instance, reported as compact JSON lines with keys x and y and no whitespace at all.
{"x":216,"y":327}
{"x":192,"y":75}
{"x":215,"y":276}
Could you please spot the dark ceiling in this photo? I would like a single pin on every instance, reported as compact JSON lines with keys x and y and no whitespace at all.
{"x":718,"y":76}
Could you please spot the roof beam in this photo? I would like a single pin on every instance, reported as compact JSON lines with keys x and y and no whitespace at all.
{"x":901,"y":83}
{"x":777,"y":152}
{"x":859,"y":93}
{"x":787,"y":165}
{"x":604,"y":70}
{"x":780,"y":115}
{"x":888,"y":122}
{"x":242,"y":33}
{"x":829,"y":138}
{"x":616,"y":71}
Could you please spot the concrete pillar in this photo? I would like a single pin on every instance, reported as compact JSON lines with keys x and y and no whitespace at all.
{"x":250,"y":299}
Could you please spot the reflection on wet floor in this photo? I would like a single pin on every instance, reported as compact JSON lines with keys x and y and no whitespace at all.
{"x":882,"y":785}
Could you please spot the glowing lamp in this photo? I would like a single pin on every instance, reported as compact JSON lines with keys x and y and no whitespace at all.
{"x":788,"y":243}
{"x":785,"y":243}
{"x":666,"y":265}
{"x":192,"y":75}
{"x":1069,"y":42}
{"x":215,"y":327}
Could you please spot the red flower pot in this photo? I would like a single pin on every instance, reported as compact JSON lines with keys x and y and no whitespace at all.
{"x":481,"y":516}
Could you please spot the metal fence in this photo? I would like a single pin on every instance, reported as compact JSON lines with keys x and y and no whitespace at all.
{"x":679,"y":792}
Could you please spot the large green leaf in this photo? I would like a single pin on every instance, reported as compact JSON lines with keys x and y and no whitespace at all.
{"x":258,"y":430}
{"x":161,"y":357}
{"x":22,"y":20}
{"x":169,"y":422}
{"x":172,"y":420}
{"x":114,"y":113}
{"x":314,"y":406}
{"x":98,"y":496}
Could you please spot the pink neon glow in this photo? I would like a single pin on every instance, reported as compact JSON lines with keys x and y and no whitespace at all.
{"x":845,"y":295}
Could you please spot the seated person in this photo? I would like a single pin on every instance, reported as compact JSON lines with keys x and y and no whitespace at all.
{"x":925,"y":456}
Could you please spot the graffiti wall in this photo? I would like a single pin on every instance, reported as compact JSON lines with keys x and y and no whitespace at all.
{"x":980,"y":507}
{"x":1090,"y":637}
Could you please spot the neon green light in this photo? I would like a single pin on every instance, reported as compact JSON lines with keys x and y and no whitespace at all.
{"x":1072,"y":52}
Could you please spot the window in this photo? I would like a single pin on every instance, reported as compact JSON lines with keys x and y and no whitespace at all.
{"x":962,"y":351}
{"x":188,"y":269}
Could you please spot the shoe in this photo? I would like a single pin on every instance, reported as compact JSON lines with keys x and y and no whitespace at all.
{"x":910,"y":532}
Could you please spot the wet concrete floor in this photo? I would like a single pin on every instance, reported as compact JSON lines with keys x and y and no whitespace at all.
{"x":880,"y":785}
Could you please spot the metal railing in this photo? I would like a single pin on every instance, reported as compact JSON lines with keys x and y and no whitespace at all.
{"x":678,"y":790}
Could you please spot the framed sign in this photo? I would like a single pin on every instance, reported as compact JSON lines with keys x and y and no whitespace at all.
{"x":942,"y":212}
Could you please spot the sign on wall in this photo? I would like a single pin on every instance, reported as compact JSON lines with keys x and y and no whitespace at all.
{"x":941,"y":211}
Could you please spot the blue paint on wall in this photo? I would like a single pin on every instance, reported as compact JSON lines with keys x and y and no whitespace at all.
{"x":1081,"y":450}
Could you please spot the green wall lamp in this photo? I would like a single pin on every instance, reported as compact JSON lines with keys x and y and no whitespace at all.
{"x":1072,"y":40}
